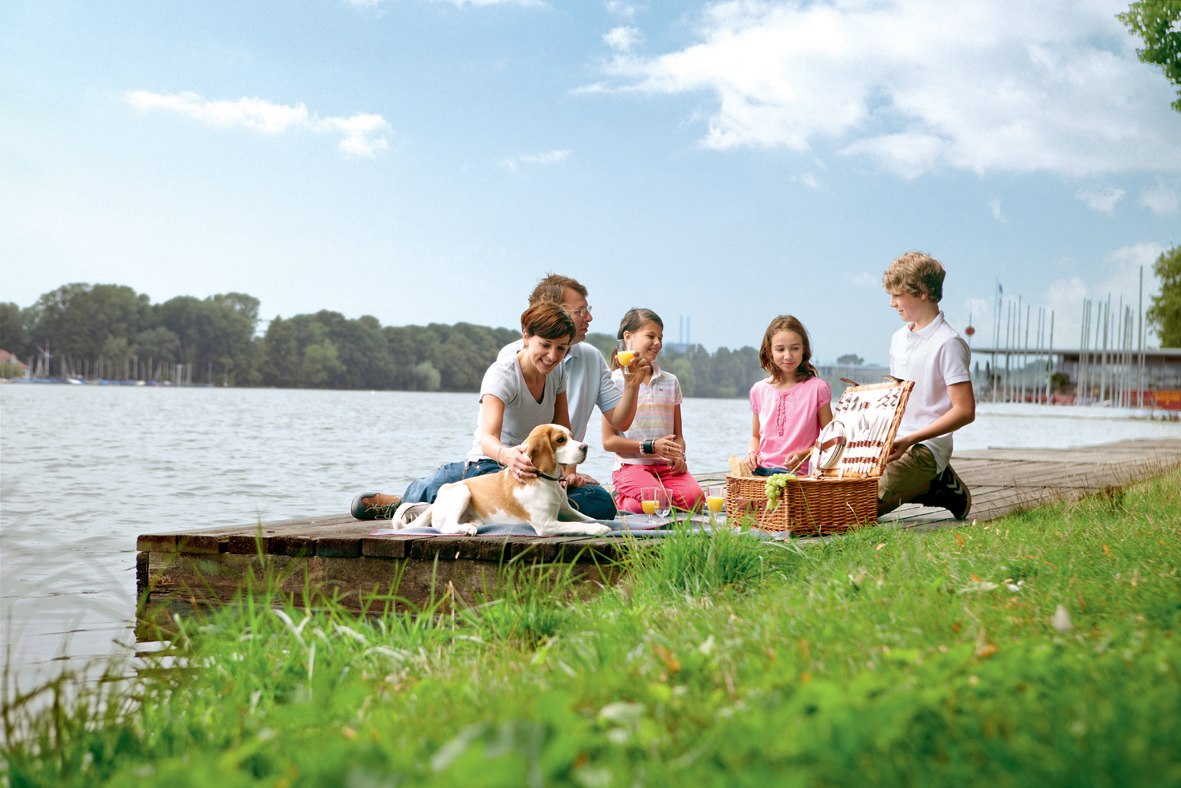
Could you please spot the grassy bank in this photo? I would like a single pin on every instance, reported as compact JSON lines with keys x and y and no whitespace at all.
{"x":1040,"y":649}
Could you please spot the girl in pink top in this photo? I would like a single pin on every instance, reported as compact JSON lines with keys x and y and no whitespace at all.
{"x":791,"y":406}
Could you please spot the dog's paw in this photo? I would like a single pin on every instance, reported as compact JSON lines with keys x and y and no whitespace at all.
{"x":468,"y":530}
{"x":598,"y":530}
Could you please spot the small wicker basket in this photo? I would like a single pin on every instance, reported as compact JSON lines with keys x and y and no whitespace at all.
{"x":844,"y":496}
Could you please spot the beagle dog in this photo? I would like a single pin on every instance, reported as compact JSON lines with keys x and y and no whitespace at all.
{"x":541,"y":502}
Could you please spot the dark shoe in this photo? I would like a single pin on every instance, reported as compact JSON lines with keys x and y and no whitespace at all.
{"x":949,"y":491}
{"x":363,"y":509}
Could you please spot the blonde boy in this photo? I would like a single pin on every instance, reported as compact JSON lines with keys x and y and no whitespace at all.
{"x":930,"y":352}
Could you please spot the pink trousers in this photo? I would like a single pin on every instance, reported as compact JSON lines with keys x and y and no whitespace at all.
{"x":630,"y":480}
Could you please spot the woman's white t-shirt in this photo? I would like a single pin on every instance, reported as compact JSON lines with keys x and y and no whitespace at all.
{"x":506,"y":381}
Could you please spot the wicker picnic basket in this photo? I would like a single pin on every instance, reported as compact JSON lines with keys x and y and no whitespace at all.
{"x":831,"y":499}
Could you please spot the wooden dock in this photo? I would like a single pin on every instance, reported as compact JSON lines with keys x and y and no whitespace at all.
{"x":338,"y":555}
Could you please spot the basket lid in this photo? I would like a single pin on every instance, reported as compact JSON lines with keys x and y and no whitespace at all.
{"x":859,"y":438}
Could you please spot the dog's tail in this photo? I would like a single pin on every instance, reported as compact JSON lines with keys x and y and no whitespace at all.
{"x":411,"y":515}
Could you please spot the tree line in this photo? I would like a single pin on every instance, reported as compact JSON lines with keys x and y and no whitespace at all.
{"x":110,"y":332}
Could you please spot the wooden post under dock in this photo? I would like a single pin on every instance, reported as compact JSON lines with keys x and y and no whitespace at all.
{"x":337,"y":554}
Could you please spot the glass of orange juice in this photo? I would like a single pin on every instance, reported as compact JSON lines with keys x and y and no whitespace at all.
{"x":624,"y":354}
{"x":715,"y":498}
{"x":656,"y":500}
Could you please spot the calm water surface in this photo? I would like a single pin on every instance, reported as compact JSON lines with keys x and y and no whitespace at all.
{"x":84,"y":470}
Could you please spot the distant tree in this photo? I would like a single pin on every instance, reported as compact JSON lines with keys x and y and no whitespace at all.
{"x":683,"y":369}
{"x":362,"y":348}
{"x":402,"y":351}
{"x":116,"y":356}
{"x":216,"y":333}
{"x":1158,"y":24}
{"x":77,"y":319}
{"x":12,"y":330}
{"x":10,"y":370}
{"x":229,"y":346}
{"x":321,"y":366}
{"x":1165,"y":312}
{"x":248,"y":368}
{"x":416,"y":345}
{"x":241,"y":304}
{"x":280,"y":365}
{"x":157,"y":346}
{"x":188,"y":321}
{"x":604,"y":343}
{"x":426,"y":377}
{"x":111,"y":331}
{"x":850,"y":360}
{"x":378,"y":366}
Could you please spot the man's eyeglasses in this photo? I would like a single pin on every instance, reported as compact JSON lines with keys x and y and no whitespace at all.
{"x":583,"y":312}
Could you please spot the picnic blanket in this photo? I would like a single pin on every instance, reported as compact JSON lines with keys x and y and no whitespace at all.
{"x":640,"y":526}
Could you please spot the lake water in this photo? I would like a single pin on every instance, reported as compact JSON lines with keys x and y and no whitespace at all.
{"x":84,"y":470}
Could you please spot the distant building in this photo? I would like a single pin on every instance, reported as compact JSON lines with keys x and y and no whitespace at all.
{"x":1151,"y":378}
{"x":11,"y":366}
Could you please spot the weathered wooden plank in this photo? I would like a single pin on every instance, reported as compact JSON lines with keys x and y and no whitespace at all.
{"x":160,"y":543}
{"x":386,"y":546}
{"x":457,"y":547}
{"x":292,"y":545}
{"x":363,"y":583}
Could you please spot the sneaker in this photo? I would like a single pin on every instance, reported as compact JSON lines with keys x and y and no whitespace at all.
{"x":949,"y":491}
{"x":365,"y":507}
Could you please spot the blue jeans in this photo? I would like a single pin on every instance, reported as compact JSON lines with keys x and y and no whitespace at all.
{"x":425,"y":490}
{"x":592,"y":500}
{"x":761,"y":471}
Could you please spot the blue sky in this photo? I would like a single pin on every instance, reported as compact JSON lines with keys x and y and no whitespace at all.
{"x":428,"y":160}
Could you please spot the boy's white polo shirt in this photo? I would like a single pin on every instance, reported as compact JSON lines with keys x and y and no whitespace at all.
{"x":934,"y":357}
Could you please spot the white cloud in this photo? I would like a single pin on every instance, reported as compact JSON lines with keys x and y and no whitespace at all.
{"x":539,"y":159}
{"x":995,"y":206}
{"x":807,"y":179}
{"x":1136,"y":255}
{"x":865,"y":279}
{"x":1103,"y":201}
{"x":621,"y":9}
{"x":914,"y":85}
{"x":1161,"y":200}
{"x":375,"y":8}
{"x":623,"y":39}
{"x":361,"y":134}
{"x":485,"y":3}
{"x":1065,"y":298}
{"x":979,"y":312}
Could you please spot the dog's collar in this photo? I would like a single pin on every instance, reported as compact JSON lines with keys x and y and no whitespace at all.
{"x":550,"y":478}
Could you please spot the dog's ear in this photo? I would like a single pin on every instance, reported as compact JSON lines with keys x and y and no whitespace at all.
{"x":543,"y":447}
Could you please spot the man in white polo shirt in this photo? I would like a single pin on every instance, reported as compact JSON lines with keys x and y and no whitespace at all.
{"x":930,"y":352}
{"x":588,"y":385}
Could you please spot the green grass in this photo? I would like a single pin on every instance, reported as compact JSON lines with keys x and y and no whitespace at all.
{"x":1037,"y":650}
